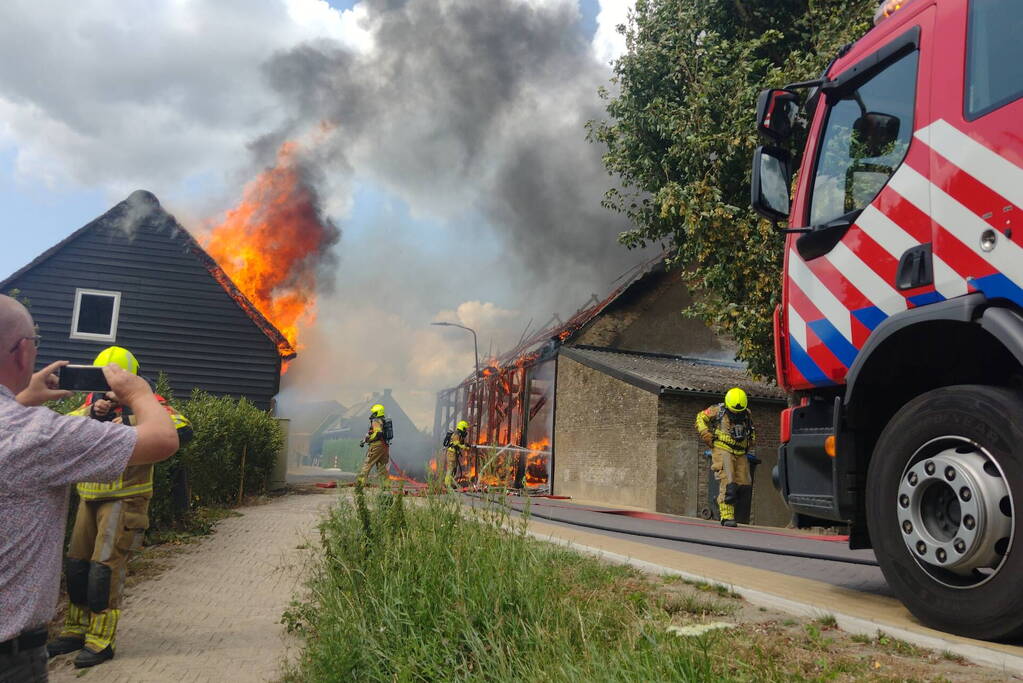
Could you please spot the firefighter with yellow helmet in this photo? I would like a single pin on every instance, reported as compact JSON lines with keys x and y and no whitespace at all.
{"x":457,"y":442}
{"x":727,"y":428}
{"x":378,"y":438}
{"x":109,"y":524}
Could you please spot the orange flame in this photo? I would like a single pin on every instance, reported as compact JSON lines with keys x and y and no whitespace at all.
{"x":537,"y":462}
{"x":270,"y":243}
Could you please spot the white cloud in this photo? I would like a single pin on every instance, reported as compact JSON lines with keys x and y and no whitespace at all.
{"x":608,"y":43}
{"x":318,"y":19}
{"x":479,"y":315}
{"x":122,"y":95}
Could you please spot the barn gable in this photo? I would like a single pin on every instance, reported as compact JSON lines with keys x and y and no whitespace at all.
{"x":175,"y":308}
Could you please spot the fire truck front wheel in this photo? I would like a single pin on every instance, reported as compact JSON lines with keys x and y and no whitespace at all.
{"x":943,"y":487}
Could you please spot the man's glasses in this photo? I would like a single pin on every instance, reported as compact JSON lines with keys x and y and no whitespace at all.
{"x":35,"y":340}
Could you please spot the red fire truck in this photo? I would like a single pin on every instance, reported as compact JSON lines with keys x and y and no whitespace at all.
{"x":900,"y":332}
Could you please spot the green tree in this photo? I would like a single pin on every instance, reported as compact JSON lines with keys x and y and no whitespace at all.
{"x":681,"y":132}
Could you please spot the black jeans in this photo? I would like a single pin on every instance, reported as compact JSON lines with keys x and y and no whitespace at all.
{"x":27,"y":666}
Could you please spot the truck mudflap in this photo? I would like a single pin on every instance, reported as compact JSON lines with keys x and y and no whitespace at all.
{"x":816,"y":485}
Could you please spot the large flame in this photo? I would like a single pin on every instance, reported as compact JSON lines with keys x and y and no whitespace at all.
{"x":270,"y":244}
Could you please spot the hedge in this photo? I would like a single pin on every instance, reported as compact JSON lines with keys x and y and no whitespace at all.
{"x":229,"y":434}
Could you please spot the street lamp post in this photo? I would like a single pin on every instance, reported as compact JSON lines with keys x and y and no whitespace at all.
{"x":476,"y":380}
{"x":475,"y":344}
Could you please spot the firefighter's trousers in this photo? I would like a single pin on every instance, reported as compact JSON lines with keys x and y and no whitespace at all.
{"x":378,"y":456}
{"x":451,"y":465}
{"x":731,"y":471}
{"x":105,"y":535}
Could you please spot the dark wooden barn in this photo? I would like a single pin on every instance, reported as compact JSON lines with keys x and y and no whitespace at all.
{"x":135,"y":278}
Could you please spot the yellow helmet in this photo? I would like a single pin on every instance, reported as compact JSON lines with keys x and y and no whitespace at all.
{"x":462,"y":426}
{"x":118,"y":356}
{"x":735,"y":400}
{"x":377,"y":410}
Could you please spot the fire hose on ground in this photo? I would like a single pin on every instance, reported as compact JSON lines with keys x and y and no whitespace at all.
{"x":698,"y":541}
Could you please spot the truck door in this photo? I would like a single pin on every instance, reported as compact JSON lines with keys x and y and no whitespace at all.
{"x":976,"y":150}
{"x":848,"y":274}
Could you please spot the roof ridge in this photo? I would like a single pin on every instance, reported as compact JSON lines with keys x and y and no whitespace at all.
{"x":284,"y":347}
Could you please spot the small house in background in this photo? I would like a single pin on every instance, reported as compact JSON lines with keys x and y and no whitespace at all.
{"x":306,"y":419}
{"x":335,"y":443}
{"x":135,"y":278}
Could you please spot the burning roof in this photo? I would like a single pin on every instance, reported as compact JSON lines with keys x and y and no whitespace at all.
{"x":283,"y":345}
{"x":275,"y":245}
{"x":541,"y":345}
{"x":143,"y":205}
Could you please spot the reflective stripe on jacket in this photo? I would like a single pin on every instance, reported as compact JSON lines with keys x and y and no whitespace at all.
{"x":136,"y":480}
{"x":376,"y":430}
{"x":457,"y":445}
{"x":715,"y":425}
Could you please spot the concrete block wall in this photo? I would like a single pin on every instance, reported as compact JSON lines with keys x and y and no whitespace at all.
{"x":617,"y":444}
{"x":605,"y":438}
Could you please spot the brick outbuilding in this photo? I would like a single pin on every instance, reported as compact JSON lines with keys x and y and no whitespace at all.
{"x":624,"y":430}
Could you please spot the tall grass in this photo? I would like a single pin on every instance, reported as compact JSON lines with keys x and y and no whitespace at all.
{"x":429,"y":592}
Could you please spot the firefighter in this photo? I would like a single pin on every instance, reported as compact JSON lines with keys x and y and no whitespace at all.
{"x":379,"y":444}
{"x":457,"y":443}
{"x":727,"y":428}
{"x":110,"y":522}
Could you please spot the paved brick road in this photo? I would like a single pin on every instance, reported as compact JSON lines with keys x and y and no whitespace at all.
{"x":214,"y":614}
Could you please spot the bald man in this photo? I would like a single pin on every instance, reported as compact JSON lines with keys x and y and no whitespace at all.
{"x":41,"y":453}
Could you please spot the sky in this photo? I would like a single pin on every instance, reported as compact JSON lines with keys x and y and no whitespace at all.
{"x":456,"y":165}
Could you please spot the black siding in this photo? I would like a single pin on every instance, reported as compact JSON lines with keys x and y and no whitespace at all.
{"x":174,"y":316}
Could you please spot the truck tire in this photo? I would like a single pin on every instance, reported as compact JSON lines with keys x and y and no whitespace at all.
{"x":943,"y":486}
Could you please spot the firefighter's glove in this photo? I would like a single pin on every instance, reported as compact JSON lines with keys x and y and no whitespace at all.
{"x":361,"y":444}
{"x":752,"y":457}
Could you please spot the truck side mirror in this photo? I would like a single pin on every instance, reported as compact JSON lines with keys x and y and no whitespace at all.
{"x":875,"y":132}
{"x":776,"y":112}
{"x":772,"y":177}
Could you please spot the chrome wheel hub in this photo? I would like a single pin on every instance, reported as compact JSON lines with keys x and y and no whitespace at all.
{"x":954,"y":508}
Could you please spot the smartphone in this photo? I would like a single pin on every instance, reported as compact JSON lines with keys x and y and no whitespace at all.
{"x":83,"y":378}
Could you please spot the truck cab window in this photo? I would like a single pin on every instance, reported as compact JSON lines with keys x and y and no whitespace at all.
{"x":866,"y":137}
{"x":994,"y":57}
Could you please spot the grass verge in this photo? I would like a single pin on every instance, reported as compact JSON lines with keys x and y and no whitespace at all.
{"x":421,"y":592}
{"x":440,"y":592}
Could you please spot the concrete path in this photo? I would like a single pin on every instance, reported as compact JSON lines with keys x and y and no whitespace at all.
{"x":214,"y":615}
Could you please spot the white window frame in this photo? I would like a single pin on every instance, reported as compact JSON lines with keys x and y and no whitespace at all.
{"x":112,"y":336}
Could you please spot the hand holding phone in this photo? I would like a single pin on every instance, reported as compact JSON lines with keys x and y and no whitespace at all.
{"x":83,"y":378}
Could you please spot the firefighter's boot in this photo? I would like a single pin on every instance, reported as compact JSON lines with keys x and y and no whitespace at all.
{"x":99,"y":640}
{"x":87,"y":657}
{"x":72,"y":636}
{"x":727,"y":514}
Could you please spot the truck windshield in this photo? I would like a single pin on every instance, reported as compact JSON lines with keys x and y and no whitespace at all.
{"x":994,"y":62}
{"x":865,"y":139}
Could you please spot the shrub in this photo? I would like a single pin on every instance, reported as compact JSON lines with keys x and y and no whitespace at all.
{"x":225,"y":429}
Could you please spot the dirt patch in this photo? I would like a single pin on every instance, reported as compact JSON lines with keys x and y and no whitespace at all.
{"x":764,"y":644}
